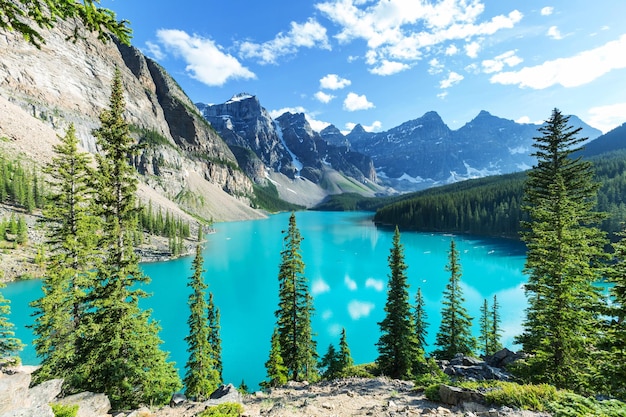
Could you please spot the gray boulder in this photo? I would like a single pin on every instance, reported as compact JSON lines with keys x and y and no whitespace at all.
{"x":42,"y":410}
{"x":89,"y":404}
{"x":44,"y":393}
{"x":13,"y":391}
{"x":457,"y":396}
{"x":224,"y":394}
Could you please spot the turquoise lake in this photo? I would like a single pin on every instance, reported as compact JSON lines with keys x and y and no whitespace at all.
{"x":346,"y":264}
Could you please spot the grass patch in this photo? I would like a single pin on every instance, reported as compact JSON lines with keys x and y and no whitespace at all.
{"x":266,"y":197}
{"x":223,"y":410}
{"x":61,"y":410}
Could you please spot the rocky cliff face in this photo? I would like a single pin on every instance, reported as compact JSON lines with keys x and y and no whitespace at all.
{"x":67,"y":82}
{"x":287,"y":145}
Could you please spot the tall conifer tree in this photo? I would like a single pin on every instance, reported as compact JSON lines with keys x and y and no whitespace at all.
{"x":421,"y":325}
{"x":120,"y":351}
{"x":71,"y":261}
{"x":455,"y":331}
{"x":201,"y":377}
{"x":495,"y":343}
{"x":344,"y":355}
{"x":275,"y":367}
{"x":213,"y":319}
{"x":564,"y":247}
{"x":399,"y":355}
{"x":9,"y":344}
{"x":485,"y":328}
{"x":295,"y":308}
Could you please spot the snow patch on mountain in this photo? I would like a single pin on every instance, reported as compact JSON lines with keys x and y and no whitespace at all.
{"x":296,"y":162}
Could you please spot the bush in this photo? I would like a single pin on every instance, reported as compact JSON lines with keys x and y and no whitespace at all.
{"x":433,"y":375}
{"x":366,"y":370}
{"x":574,"y":405}
{"x":61,"y":410}
{"x":526,"y":397}
{"x":223,"y":410}
{"x":432,"y":392}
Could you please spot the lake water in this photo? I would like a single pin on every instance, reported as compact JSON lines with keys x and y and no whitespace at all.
{"x":346,"y":264}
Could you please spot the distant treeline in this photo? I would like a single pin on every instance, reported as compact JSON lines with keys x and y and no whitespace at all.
{"x":488,"y":206}
{"x":20,"y":186}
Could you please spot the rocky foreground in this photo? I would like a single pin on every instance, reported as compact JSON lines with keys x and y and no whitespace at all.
{"x":340,"y":398}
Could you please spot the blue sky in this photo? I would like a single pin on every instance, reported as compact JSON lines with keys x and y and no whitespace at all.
{"x":381,"y":63}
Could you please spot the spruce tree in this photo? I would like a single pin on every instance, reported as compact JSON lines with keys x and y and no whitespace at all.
{"x":399,"y":355}
{"x":9,"y":344}
{"x":455,"y":332}
{"x":70,"y":263}
{"x":201,"y":377}
{"x":485,"y":328}
{"x":330,"y":363}
{"x":495,"y":343}
{"x":421,"y":325}
{"x":275,"y":367}
{"x":120,"y":351}
{"x":295,"y":308}
{"x":564,"y":248}
{"x":213,"y":320}
{"x":344,"y":356}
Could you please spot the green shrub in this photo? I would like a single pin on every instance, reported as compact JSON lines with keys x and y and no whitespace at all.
{"x":61,"y":410}
{"x":432,"y":392}
{"x":365,"y":370}
{"x":526,"y":397}
{"x":223,"y":410}
{"x":574,"y":405}
{"x":433,"y":375}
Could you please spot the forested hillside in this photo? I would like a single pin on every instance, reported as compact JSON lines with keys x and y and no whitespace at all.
{"x":491,"y":206}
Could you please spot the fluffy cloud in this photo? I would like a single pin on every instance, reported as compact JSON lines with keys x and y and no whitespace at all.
{"x":607,"y":117}
{"x":495,"y":65}
{"x":554,"y":33}
{"x":358,"y":309}
{"x":154,"y":50}
{"x":547,"y":11}
{"x":206,"y":62}
{"x":453,"y":78}
{"x":471,"y":49}
{"x":319,"y":287}
{"x":354,"y":102}
{"x":306,"y":35}
{"x":376,"y":126}
{"x":435,"y":67}
{"x":452,"y":50}
{"x":324,"y":97}
{"x":350,"y":283}
{"x":334,"y":82}
{"x":399,"y":31}
{"x":574,"y":71}
{"x":317,"y":125}
{"x":376,"y":284}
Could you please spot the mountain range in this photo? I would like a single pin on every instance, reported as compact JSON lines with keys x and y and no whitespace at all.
{"x":208,"y":160}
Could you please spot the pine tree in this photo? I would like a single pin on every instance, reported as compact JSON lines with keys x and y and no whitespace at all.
{"x":120,"y":351}
{"x":9,"y":344}
{"x":201,"y":377}
{"x":421,"y":325}
{"x":330,"y":363}
{"x":563,"y":249}
{"x":455,"y":331}
{"x":71,"y":260}
{"x":344,"y":356}
{"x":213,"y":320}
{"x":399,"y":355}
{"x":495,"y":343}
{"x":275,"y":367}
{"x":295,"y":308}
{"x":485,"y":328}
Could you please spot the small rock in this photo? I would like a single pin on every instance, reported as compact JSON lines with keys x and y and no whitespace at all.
{"x":328,"y":406}
{"x":177,"y":399}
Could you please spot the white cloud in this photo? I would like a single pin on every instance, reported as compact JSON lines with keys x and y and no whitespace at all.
{"x":495,"y":65}
{"x":607,"y":117}
{"x":554,"y":33}
{"x":206,"y":62}
{"x":306,"y":35}
{"x":154,"y":50}
{"x":317,"y":125}
{"x":442,"y":95}
{"x":435,"y":67}
{"x":453,"y":78}
{"x":376,"y":284}
{"x":573,"y":71}
{"x":376,"y":126}
{"x":324,"y":97}
{"x":354,"y":102}
{"x":334,"y":82}
{"x":350,"y":283}
{"x":401,"y":31}
{"x":358,"y":309}
{"x":526,"y":120}
{"x":319,"y":287}
{"x":547,"y":11}
{"x":452,"y":50}
{"x":389,"y":68}
{"x":471,"y":49}
{"x":327,"y":314}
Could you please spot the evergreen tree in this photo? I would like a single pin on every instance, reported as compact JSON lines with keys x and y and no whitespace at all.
{"x":201,"y":377}
{"x":420,"y":318}
{"x":344,"y":356}
{"x":455,"y":331}
{"x":399,"y":355}
{"x":485,"y":328}
{"x":495,"y":344}
{"x":213,"y":320}
{"x":120,"y":351}
{"x":563,"y":249}
{"x":9,"y":344}
{"x":276,"y":370}
{"x":71,"y":260}
{"x":295,"y":308}
{"x":330,"y":363}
